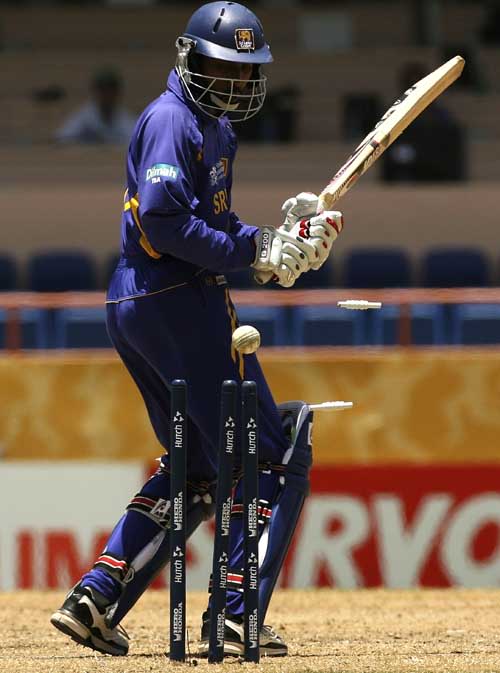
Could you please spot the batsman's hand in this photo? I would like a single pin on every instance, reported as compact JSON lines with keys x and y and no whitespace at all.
{"x":301,"y":220}
{"x":280,"y":255}
{"x":321,"y":231}
{"x":297,"y":208}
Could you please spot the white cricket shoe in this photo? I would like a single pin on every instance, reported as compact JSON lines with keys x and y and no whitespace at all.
{"x":271,"y":644}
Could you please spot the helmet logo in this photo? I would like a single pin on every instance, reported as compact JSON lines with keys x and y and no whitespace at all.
{"x":244,"y":38}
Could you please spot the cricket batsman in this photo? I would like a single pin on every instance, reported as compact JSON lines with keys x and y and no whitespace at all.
{"x":170,"y":316}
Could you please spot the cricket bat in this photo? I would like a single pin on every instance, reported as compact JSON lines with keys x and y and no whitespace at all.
{"x":400,"y":115}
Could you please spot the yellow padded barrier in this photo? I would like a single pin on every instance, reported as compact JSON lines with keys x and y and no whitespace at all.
{"x":411,"y":405}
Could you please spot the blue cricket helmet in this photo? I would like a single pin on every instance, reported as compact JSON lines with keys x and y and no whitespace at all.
{"x":225,"y":31}
{"x":228,"y":31}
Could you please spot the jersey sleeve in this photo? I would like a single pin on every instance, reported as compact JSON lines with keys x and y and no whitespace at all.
{"x":240,"y":229}
{"x":167,"y":197}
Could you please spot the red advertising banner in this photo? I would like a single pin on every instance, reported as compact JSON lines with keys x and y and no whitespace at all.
{"x":399,"y":526}
{"x":362,"y":526}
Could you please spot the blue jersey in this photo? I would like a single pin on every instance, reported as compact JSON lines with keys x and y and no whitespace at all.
{"x":177,"y":218}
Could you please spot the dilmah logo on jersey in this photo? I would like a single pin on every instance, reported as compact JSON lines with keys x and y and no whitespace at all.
{"x":244,"y":38}
{"x":159,"y":171}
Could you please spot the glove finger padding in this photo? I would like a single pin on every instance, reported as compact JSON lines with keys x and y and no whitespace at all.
{"x":299,"y":243}
{"x":293,"y":264}
{"x":285,"y":277}
{"x":293,"y":209}
{"x":291,"y":250}
{"x":322,"y":231}
{"x":263,"y":277}
{"x":287,"y":273}
{"x":294,"y":258}
{"x":280,"y":253}
{"x":276,"y":252}
{"x":297,"y":207}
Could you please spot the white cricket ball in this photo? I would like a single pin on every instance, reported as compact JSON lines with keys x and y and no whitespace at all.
{"x":246,"y":339}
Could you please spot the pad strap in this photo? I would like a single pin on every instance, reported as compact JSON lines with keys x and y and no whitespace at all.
{"x":114,"y":566}
{"x":234,"y":580}
{"x":264,"y":510}
{"x":156,"y":509}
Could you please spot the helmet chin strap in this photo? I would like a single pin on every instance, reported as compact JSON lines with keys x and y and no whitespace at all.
{"x":227,"y":107}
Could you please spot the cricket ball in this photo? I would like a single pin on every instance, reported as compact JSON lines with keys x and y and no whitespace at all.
{"x":246,"y":339}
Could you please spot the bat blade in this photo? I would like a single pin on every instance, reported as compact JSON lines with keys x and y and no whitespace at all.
{"x":397,"y":118}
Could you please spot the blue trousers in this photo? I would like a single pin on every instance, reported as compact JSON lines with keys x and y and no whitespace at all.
{"x":185,"y":333}
{"x":181,"y":333}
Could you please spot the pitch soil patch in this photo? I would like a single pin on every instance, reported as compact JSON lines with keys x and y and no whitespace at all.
{"x":363,"y":631}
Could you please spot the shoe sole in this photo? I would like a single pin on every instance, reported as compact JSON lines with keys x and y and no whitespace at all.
{"x":81,"y":634}
{"x":235,"y":650}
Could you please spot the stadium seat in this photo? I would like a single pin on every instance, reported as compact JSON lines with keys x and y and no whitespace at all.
{"x":475,"y":324}
{"x":377,"y":267}
{"x":269,"y":320}
{"x":81,"y":328}
{"x":34,"y":328}
{"x":61,"y":271}
{"x":8,"y":273}
{"x":327,"y":326}
{"x":455,"y":267}
{"x":427,"y":325}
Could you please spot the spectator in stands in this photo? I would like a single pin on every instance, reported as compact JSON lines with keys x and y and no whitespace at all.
{"x":432,"y":148}
{"x":102,"y":119}
{"x":490,"y":29}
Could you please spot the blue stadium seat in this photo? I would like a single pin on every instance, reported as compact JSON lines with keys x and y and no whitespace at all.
{"x":8,"y":273}
{"x":81,"y":328}
{"x":327,"y":326}
{"x":34,"y":328}
{"x":377,"y":267}
{"x":61,"y":271}
{"x":427,"y":325}
{"x":269,"y":320}
{"x":455,"y":267}
{"x":475,"y":324}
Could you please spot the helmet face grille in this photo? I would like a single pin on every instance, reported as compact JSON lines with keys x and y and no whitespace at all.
{"x":238,"y":99}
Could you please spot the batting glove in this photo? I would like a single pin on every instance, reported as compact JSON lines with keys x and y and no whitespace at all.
{"x":282,"y":255}
{"x":321,"y":231}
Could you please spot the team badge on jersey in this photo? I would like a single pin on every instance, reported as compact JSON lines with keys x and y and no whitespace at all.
{"x":218,"y":172}
{"x":244,"y":38}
